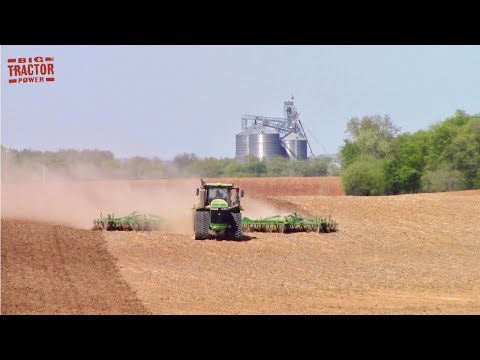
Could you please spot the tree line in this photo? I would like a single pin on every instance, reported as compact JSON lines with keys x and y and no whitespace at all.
{"x":378,"y":160}
{"x":30,"y":164}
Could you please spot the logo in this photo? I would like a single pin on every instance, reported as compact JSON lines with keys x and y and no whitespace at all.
{"x":31,"y":70}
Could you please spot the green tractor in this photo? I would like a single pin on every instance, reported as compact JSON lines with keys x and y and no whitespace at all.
{"x":217,"y":213}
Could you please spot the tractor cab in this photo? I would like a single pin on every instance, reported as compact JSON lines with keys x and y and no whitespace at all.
{"x":219,"y":194}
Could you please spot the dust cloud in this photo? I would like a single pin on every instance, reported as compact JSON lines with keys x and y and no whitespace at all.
{"x":255,"y":208}
{"x":59,"y":199}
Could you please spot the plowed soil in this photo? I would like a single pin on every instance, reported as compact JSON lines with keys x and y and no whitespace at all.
{"x":51,"y":269}
{"x":331,"y":186}
{"x":408,"y":254}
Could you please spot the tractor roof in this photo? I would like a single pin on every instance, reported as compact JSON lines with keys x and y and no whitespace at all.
{"x":218,"y":184}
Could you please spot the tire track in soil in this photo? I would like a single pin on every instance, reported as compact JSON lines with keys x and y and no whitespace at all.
{"x":61,"y":270}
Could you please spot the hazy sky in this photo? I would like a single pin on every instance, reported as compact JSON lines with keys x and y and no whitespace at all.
{"x":164,"y":100}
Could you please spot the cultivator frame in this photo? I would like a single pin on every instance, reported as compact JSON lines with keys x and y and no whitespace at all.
{"x":134,"y":221}
{"x":290,"y":222}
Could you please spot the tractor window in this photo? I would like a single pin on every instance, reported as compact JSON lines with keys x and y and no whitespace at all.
{"x":217,"y":193}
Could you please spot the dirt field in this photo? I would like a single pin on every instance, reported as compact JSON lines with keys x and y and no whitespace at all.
{"x":395,"y":255}
{"x":331,"y":186}
{"x":51,"y":269}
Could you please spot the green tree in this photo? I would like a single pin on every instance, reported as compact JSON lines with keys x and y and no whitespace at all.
{"x":444,"y":178}
{"x":255,"y":168}
{"x":477,"y":180}
{"x":208,"y":167}
{"x":405,"y":169}
{"x":464,"y":151}
{"x":373,"y":135}
{"x":349,"y":152}
{"x":184,"y":159}
{"x":365,"y":177}
{"x":319,"y":168}
{"x":234,"y":169}
{"x":278,"y":166}
{"x":442,"y":136}
{"x":333,"y":169}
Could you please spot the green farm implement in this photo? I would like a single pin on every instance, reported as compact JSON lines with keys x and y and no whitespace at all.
{"x":217,"y":213}
{"x":131,"y":222}
{"x":291,"y":222}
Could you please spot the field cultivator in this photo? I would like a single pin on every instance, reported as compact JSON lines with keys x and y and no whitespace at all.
{"x":134,"y":221}
{"x":290,"y":222}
